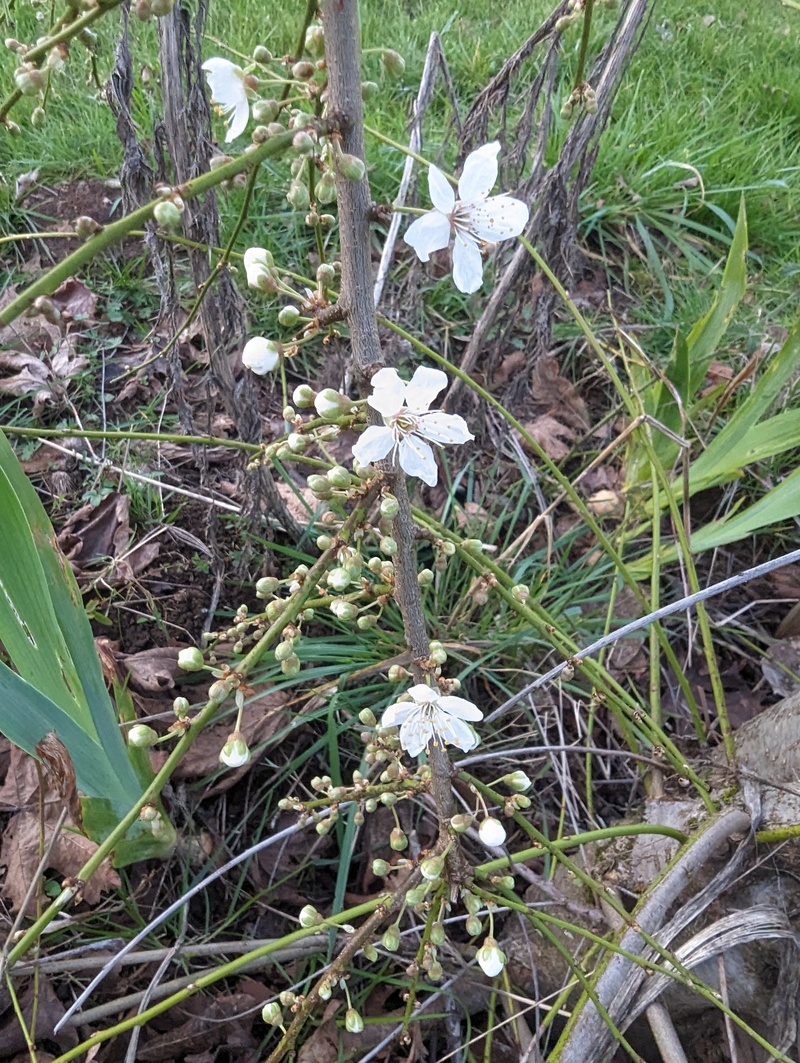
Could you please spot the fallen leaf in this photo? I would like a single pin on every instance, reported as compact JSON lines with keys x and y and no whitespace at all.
{"x":49,"y":1011}
{"x":780,"y":666}
{"x":558,"y":395}
{"x":552,"y":436}
{"x":74,"y":299}
{"x":605,"y":503}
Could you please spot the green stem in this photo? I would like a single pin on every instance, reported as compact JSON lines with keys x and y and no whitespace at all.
{"x":155,"y":437}
{"x":112,"y":234}
{"x":584,"y":45}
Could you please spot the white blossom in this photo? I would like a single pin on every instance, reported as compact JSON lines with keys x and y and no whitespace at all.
{"x":409,"y":422}
{"x":235,"y":752}
{"x":432,"y":717}
{"x":491,"y":958}
{"x":229,"y":92}
{"x":261,"y":355}
{"x":258,"y":265}
{"x":476,"y":218}
{"x":492,"y":832}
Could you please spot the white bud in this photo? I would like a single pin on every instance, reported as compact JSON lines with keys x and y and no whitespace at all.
{"x":492,"y":832}
{"x":261,"y":355}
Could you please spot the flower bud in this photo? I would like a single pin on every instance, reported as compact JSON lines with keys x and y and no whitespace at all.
{"x":29,"y":80}
{"x":309,"y":916}
{"x":438,"y":934}
{"x":271,"y":1014}
{"x":190,"y":659}
{"x":461,"y":822}
{"x":369,"y":90}
{"x":492,"y":832}
{"x":390,"y":939}
{"x":417,"y":894}
{"x":432,"y":868}
{"x":315,"y":40}
{"x":235,"y":752}
{"x":521,"y":801}
{"x":398,"y":840}
{"x":390,"y":507}
{"x":291,"y":666}
{"x":520,"y":593}
{"x":473,"y":926}
{"x":438,"y":653}
{"x":288,"y":317}
{"x":381,"y":868}
{"x":303,"y":395}
{"x":48,"y":309}
{"x":370,"y":952}
{"x":219,"y":690}
{"x":352,"y":1021}
{"x":167,"y":214}
{"x":472,"y":546}
{"x":38,"y":117}
{"x":367,"y":717}
{"x":329,"y":404}
{"x":86,"y":227}
{"x":302,"y":143}
{"x":367,"y":622}
{"x":140,"y":736}
{"x":284,"y":650}
{"x":161,"y":7}
{"x":287,"y":998}
{"x":351,"y":167}
{"x":387,"y":545}
{"x":325,"y":188}
{"x":319,"y":486}
{"x":491,"y":958}
{"x":325,"y":990}
{"x":425,"y":578}
{"x":343,"y":610}
{"x":298,"y":195}
{"x":393,"y":63}
{"x":303,"y":70}
{"x":261,"y":355}
{"x":517,"y":781}
{"x":266,"y":586}
{"x":262,"y":54}
{"x":149,"y":813}
{"x":180,"y":707}
{"x":338,"y":579}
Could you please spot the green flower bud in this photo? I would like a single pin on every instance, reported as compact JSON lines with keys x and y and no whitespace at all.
{"x":353,"y":1021}
{"x":381,"y":868}
{"x":390,"y":939}
{"x":287,"y":998}
{"x":370,"y":952}
{"x":351,"y":167}
{"x":425,"y":577}
{"x":417,"y":895}
{"x":219,"y":690}
{"x":180,"y":707}
{"x":315,"y":40}
{"x":473,"y":926}
{"x":140,"y":736}
{"x":191,"y":659}
{"x":297,"y":443}
{"x":303,"y":395}
{"x":271,"y":1014}
{"x":398,"y":840}
{"x":167,"y":214}
{"x":284,"y":650}
{"x":38,"y":117}
{"x":325,"y":189}
{"x":274,"y":609}
{"x":472,"y":903}
{"x":367,"y":622}
{"x":390,"y":507}
{"x":387,"y":545}
{"x":438,"y":653}
{"x":340,"y":477}
{"x":86,"y":227}
{"x":521,"y":801}
{"x":338,"y":579}
{"x":517,"y":781}
{"x":435,"y":972}
{"x":329,"y":404}
{"x":394,"y":64}
{"x":343,"y":610}
{"x":473,"y":546}
{"x":432,"y":868}
{"x":388,"y":799}
{"x":369,"y":90}
{"x":160,"y":8}
{"x":149,"y":814}
{"x":319,"y":486}
{"x":520,"y":593}
{"x":367,"y":717}
{"x":288,"y":317}
{"x":291,"y":666}
{"x":302,"y":143}
{"x":309,"y":916}
{"x":298,"y":195}
{"x":262,"y":55}
{"x":438,"y":934}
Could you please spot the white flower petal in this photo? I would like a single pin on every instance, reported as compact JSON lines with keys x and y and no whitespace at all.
{"x":467,"y":263}
{"x":260,"y":355}
{"x":491,"y":958}
{"x":423,"y":387}
{"x":444,"y":427}
{"x":460,"y":707}
{"x":455,"y":732}
{"x":443,"y":196}
{"x":479,"y":174}
{"x":388,"y":392}
{"x":416,"y":459}
{"x":394,"y":715}
{"x":226,"y":81}
{"x":423,"y":694}
{"x":416,"y":734}
{"x":429,"y":233}
{"x":375,"y":443}
{"x":499,"y":218}
{"x":492,"y":832}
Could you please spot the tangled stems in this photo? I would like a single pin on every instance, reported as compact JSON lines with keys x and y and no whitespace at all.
{"x":291,"y":611}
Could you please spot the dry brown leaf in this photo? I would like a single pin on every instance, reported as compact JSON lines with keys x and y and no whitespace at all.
{"x":49,"y":1011}
{"x":294,"y":505}
{"x":211,"y":1022}
{"x":99,"y":532}
{"x":74,"y":299}
{"x":21,"y":783}
{"x":605,"y":503}
{"x":20,"y":849}
{"x":151,"y":670}
{"x":552,"y":436}
{"x":558,"y":395}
